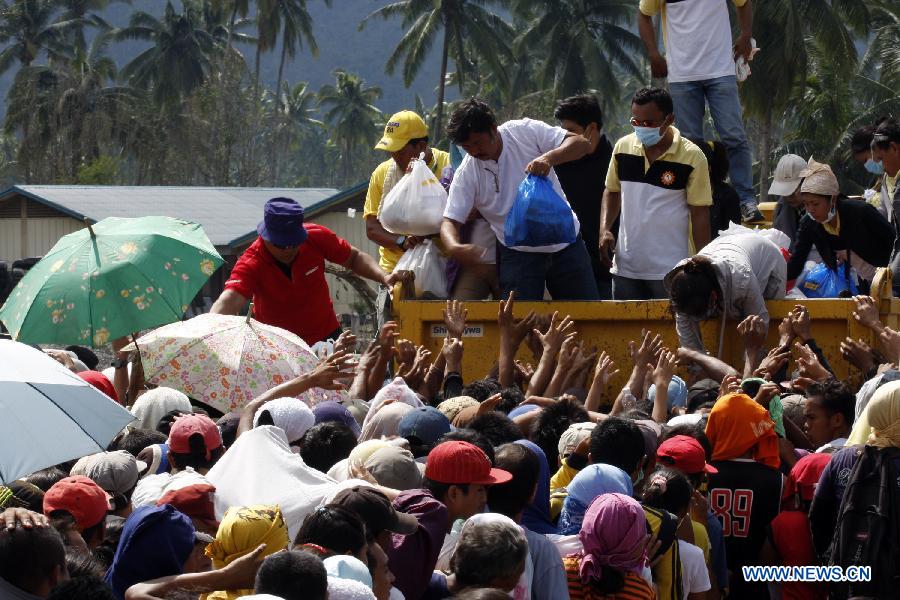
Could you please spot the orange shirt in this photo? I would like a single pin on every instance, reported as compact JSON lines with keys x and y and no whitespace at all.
{"x":635,"y":587}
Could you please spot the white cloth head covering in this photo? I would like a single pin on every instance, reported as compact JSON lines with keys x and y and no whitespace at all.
{"x":289,"y":414}
{"x":260,"y":468}
{"x":386,"y":422}
{"x":153,"y":487}
{"x":348,"y":589}
{"x":153,"y":405}
{"x":395,"y":391}
{"x":819,"y":179}
{"x":344,"y":566}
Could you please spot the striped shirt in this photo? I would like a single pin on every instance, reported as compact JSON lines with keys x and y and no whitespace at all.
{"x":634,"y":588}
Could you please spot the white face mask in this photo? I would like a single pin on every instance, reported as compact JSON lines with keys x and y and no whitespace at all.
{"x":832,"y":211}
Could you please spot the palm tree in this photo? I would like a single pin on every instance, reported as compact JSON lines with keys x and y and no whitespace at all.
{"x":294,"y":120}
{"x":788,"y":31}
{"x":350,"y":114}
{"x":588,"y":43}
{"x":464,"y":24}
{"x":28,"y":27}
{"x":77,"y":12}
{"x":180,"y":59}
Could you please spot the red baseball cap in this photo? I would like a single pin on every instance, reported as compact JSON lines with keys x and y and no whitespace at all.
{"x":196,"y":501}
{"x":459,"y":462}
{"x":685,"y":454}
{"x":805,"y":475}
{"x":187,"y":425}
{"x":81,"y":497}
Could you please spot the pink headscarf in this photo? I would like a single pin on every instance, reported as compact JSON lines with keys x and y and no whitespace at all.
{"x":613,"y":534}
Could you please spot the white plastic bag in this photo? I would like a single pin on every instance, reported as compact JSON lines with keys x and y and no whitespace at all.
{"x":415,"y":206}
{"x":429,"y":268}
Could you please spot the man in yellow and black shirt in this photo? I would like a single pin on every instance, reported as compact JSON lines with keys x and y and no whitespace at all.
{"x":405,"y":138}
{"x":658,"y":186}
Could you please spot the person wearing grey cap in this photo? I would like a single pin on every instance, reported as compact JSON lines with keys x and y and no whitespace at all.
{"x":116,"y":473}
{"x":841,"y":229}
{"x":786,"y":185}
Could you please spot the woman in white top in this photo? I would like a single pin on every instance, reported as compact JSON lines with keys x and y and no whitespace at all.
{"x":734,"y":273}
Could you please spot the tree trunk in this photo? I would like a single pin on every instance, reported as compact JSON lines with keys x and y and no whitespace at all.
{"x":273,"y":156}
{"x":765,"y":148}
{"x":438,"y":120}
{"x":280,"y":72}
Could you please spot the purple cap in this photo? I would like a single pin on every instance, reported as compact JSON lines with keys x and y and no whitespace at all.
{"x":282,"y":223}
{"x":426,"y":423}
{"x":335,"y":411}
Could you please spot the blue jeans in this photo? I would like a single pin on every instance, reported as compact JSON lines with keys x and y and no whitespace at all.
{"x":690,"y":99}
{"x":567,"y":274}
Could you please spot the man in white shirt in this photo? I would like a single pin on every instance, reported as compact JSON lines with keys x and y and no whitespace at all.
{"x":487,"y":182}
{"x":699,"y":63}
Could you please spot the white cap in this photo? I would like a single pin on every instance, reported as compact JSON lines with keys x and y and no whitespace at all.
{"x":787,"y":175}
{"x":574,"y":435}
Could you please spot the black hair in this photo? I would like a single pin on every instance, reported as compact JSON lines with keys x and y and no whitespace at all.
{"x":107,"y":548}
{"x":471,"y":116}
{"x":164,"y":426}
{"x":85,"y":355}
{"x":511,"y":398}
{"x":82,"y":588}
{"x":716,"y":154}
{"x":294,"y":575}
{"x":136,"y":440}
{"x":692,"y":287}
{"x":476,"y":438}
{"x":439,"y":490}
{"x":228,"y":426}
{"x":63,"y":521}
{"x":669,"y":490}
{"x":46,"y":478}
{"x":512,"y":497}
{"x":861,"y":140}
{"x":29,"y":556}
{"x":83,"y":564}
{"x":497,"y":428}
{"x":658,"y":96}
{"x":334,"y":527}
{"x":583,"y":109}
{"x":553,"y":421}
{"x":886,"y":133}
{"x":835,"y":397}
{"x":196,"y":458}
{"x":326,"y":444}
{"x":482,"y":389}
{"x":487,"y":552}
{"x":694,"y":430}
{"x":617,"y":442}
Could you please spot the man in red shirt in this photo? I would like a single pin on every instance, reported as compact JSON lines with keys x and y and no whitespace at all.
{"x":283,"y":272}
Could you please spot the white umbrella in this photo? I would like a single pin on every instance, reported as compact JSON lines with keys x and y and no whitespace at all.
{"x":49,"y":414}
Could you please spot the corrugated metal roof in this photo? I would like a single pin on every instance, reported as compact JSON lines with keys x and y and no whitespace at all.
{"x":226,"y":214}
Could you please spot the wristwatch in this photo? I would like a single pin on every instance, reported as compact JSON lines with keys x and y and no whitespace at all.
{"x":119,"y":363}
{"x":400,"y":241}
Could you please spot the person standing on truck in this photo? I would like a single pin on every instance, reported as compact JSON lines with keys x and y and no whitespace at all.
{"x":405,"y":138}
{"x":499,"y":158}
{"x":658,"y":187}
{"x":584,"y":180}
{"x":702,"y":71}
{"x":733,"y":273}
{"x":283,"y":273}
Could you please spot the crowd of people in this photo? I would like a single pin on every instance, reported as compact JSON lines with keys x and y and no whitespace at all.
{"x":525,"y":481}
{"x":528,"y":478}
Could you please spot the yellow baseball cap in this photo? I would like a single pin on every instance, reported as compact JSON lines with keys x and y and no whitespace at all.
{"x":400,"y":128}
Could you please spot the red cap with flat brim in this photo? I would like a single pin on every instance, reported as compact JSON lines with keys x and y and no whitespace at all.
{"x":460,"y":463}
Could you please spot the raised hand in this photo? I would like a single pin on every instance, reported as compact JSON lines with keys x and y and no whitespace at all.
{"x":859,"y":354}
{"x":753,"y":330}
{"x":649,"y":347}
{"x":512,"y":330}
{"x":453,"y":353}
{"x":558,"y":332}
{"x":455,"y":318}
{"x":406,"y":353}
{"x":866,"y":312}
{"x":664,"y":369}
{"x":891,"y":341}
{"x":605,"y":370}
{"x":346,"y":341}
{"x":731,"y":384}
{"x":809,"y":365}
{"x":772,"y":363}
{"x":766,"y":392}
{"x":331,"y":370}
{"x":801,"y":322}
{"x":489,"y":405}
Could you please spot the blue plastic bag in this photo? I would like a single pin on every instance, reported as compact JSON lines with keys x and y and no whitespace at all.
{"x":823,"y":282}
{"x":539,"y":216}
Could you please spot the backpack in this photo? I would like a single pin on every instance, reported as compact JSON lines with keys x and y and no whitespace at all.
{"x":868,"y":525}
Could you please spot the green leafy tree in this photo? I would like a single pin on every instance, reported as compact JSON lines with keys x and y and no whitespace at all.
{"x":466,"y":25}
{"x":28,"y":27}
{"x":181,"y":55}
{"x":351,"y":116}
{"x":587,"y":43}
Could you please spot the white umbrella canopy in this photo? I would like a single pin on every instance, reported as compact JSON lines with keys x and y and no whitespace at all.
{"x":49,"y":414}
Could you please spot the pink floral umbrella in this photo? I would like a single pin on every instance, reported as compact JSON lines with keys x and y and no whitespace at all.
{"x":227,"y":361}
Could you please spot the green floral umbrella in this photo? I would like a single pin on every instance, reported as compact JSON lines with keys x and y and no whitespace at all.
{"x":109,"y":280}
